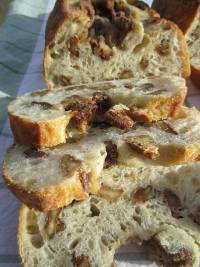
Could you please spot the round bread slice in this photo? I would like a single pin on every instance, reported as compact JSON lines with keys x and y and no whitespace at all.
{"x":49,"y":178}
{"x":47,"y":118}
{"x":113,"y":39}
{"x":153,"y":206}
{"x":187,"y":16}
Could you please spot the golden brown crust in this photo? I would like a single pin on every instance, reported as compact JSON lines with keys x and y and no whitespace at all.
{"x":176,"y":11}
{"x":46,"y":199}
{"x":43,"y":134}
{"x":195,"y":75}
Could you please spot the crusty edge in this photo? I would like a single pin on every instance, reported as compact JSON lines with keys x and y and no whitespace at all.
{"x":195,"y":75}
{"x":21,"y":223}
{"x":39,"y":134}
{"x":46,"y":199}
{"x":184,"y":22}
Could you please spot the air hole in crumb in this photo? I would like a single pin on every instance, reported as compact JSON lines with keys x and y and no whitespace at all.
{"x":74,"y":243}
{"x":137,"y":219}
{"x":104,"y":241}
{"x":37,"y":241}
{"x":123,"y":227}
{"x":75,"y":211}
{"x":94,"y":210}
{"x":137,"y":210}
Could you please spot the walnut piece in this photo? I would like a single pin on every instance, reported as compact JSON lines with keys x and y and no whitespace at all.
{"x":125,"y":74}
{"x":85,"y":110}
{"x":102,"y":100}
{"x":173,"y":202}
{"x":110,"y":194}
{"x":165,"y":126}
{"x":144,"y":145}
{"x":81,"y":261}
{"x":142,"y":194}
{"x":163,"y":49}
{"x":34,"y":153}
{"x":69,"y":165}
{"x":112,"y":154}
{"x":118,"y":116}
{"x":73,"y":46}
{"x":100,"y":48}
{"x":163,"y":257}
{"x":53,"y":224}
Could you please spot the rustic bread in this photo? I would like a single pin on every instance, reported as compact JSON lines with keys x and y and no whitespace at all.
{"x":155,"y":206}
{"x":49,"y":178}
{"x":187,"y":15}
{"x":104,"y":40}
{"x":47,"y":118}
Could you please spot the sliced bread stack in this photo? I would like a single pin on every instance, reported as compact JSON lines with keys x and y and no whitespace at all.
{"x":99,"y":164}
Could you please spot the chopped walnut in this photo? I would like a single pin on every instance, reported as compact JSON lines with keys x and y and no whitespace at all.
{"x":117,"y":116}
{"x":163,"y":49}
{"x":165,"y":126}
{"x":73,"y":46}
{"x":144,"y":63}
{"x":53,"y":224}
{"x":125,"y":74}
{"x":34,"y":153}
{"x":163,"y":257}
{"x":85,"y":110}
{"x":142,"y":194}
{"x":81,"y":261}
{"x":139,"y":115}
{"x":173,"y":202}
{"x":44,"y":105}
{"x":84,"y":178}
{"x":102,"y":100}
{"x":112,"y":154}
{"x":144,"y":145}
{"x":69,"y":165}
{"x":100,"y":48}
{"x":110,"y":194}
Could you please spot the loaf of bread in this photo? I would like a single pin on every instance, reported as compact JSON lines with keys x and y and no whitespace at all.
{"x":47,"y":118}
{"x":50,"y":178}
{"x":95,"y":40}
{"x":158,"y":207}
{"x":186,"y":14}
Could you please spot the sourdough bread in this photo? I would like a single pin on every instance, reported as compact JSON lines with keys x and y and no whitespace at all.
{"x":187,"y":16}
{"x":47,"y":118}
{"x":104,"y":40}
{"x":155,"y":206}
{"x":50,"y":178}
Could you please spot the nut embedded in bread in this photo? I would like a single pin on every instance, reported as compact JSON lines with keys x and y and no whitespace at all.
{"x":104,"y":40}
{"x":116,"y":219}
{"x":186,"y":14}
{"x":47,"y":118}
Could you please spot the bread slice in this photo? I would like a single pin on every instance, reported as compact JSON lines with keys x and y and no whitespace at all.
{"x":187,"y":15}
{"x":47,"y":118}
{"x":104,"y":40}
{"x":50,"y":178}
{"x":155,"y":206}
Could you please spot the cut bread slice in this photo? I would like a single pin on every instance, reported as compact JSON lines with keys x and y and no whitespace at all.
{"x":155,"y":206}
{"x":104,"y":40}
{"x":50,"y":178}
{"x":47,"y":118}
{"x":187,"y":15}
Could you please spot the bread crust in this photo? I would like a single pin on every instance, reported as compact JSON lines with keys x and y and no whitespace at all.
{"x":63,"y":12}
{"x":39,"y":134}
{"x":50,"y":198}
{"x":183,"y":13}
